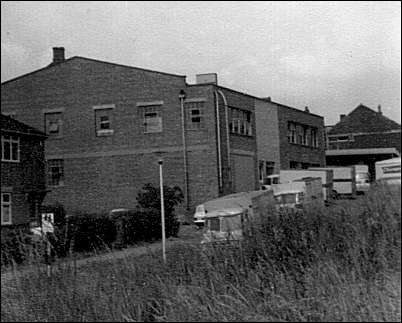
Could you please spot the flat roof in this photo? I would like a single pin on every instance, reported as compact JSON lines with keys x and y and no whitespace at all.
{"x":361,"y":151}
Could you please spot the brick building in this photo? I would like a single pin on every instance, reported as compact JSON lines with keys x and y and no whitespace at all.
{"x":287,"y":138}
{"x":364,"y":136}
{"x":109,"y":124}
{"x":23,"y":184}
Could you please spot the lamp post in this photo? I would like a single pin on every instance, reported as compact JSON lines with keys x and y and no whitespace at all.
{"x":182,"y":97}
{"x":160,"y":162}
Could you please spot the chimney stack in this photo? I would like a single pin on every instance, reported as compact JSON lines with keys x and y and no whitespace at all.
{"x":58,"y":55}
{"x":379,"y":109}
{"x":306,"y":109}
{"x":342,"y":116}
{"x":206,"y":78}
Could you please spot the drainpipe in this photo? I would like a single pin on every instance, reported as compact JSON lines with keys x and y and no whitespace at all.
{"x":182,"y":97}
{"x":218,"y":134}
{"x":227,"y":133}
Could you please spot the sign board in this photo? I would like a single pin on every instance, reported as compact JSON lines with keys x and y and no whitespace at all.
{"x":47,"y":222}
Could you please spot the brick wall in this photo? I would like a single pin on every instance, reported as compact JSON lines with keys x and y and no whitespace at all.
{"x":295,"y":152}
{"x":26,"y":175}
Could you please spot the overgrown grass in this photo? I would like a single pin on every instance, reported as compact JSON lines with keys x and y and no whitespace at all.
{"x":337,"y":264}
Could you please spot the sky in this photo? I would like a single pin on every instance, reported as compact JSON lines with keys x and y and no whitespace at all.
{"x":329,"y":56}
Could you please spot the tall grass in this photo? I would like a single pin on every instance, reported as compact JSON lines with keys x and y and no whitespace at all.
{"x":337,"y":264}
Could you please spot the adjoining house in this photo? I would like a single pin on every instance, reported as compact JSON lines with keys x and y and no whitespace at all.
{"x":109,"y":124}
{"x":287,"y":138}
{"x":364,"y":136}
{"x":23,"y":184}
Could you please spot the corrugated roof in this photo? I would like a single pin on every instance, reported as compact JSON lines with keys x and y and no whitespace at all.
{"x":364,"y":119}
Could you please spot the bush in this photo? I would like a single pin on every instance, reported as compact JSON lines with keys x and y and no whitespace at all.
{"x":149,"y":198}
{"x":87,"y":232}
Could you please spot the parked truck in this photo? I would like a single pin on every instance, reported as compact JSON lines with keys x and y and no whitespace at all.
{"x":362,"y":178}
{"x":388,"y":171}
{"x":344,"y":179}
{"x":326,"y":175}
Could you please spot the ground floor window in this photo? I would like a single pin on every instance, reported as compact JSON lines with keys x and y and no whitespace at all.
{"x":55,"y":172}
{"x":5,"y":208}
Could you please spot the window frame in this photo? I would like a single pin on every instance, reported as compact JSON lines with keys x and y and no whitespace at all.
{"x":153,"y":109}
{"x":11,"y":141}
{"x":103,"y":111}
{"x":59,"y":123}
{"x":189,"y":108}
{"x":292,"y":132}
{"x":49,"y":175}
{"x":240,"y":122}
{"x":6,"y":204}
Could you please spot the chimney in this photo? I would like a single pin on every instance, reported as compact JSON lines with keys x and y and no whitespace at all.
{"x":206,"y":78}
{"x":342,"y":116}
{"x":379,"y":109}
{"x":306,"y":109}
{"x":58,"y":55}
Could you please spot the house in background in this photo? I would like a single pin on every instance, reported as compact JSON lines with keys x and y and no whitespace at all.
{"x":23,"y":184}
{"x":287,"y":138}
{"x":364,"y":136}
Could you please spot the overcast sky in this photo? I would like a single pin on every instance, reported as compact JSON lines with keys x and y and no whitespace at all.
{"x":330,"y":56}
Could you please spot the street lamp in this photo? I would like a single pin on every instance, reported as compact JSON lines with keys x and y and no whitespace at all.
{"x":182,"y":97}
{"x":160,"y":162}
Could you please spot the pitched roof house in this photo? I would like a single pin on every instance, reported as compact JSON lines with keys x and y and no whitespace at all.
{"x":363,"y":136}
{"x":23,"y":184}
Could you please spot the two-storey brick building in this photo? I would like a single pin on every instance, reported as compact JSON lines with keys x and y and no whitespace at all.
{"x":287,"y":138}
{"x":109,"y":124}
{"x":364,"y":136}
{"x":23,"y":184}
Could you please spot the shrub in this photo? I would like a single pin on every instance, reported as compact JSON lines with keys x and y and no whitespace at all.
{"x":149,"y":198}
{"x":90,"y":231}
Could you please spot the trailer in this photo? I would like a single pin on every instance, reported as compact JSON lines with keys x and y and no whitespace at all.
{"x":344,"y":179}
{"x":326,"y":175}
{"x":255,"y":202}
{"x":388,"y":171}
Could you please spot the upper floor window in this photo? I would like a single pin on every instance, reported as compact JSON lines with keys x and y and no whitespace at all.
{"x":10,"y":148}
{"x":103,"y":120}
{"x":314,"y":138}
{"x":195,"y":115}
{"x":304,"y":139}
{"x":55,"y":172}
{"x":5,"y":208}
{"x":291,"y":132}
{"x":152,"y":119}
{"x":54,"y":124}
{"x":240,"y":122}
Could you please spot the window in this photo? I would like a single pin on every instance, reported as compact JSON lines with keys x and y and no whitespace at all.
{"x":5,"y":208}
{"x":55,"y":172}
{"x":342,"y":138}
{"x":152,"y":119}
{"x":103,"y":120}
{"x":261,"y":170}
{"x":240,"y":122}
{"x":194,"y":115}
{"x":304,"y":140}
{"x":291,"y":132}
{"x":269,"y":168}
{"x":53,"y":124}
{"x":314,"y":138}
{"x":10,"y":148}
